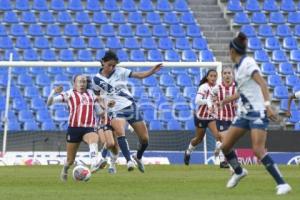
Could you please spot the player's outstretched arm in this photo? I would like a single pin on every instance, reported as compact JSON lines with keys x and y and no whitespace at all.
{"x":145,"y":74}
{"x":51,"y":99}
{"x":288,"y":112}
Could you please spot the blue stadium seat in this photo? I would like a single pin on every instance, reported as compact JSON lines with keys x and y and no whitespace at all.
{"x":149,"y":115}
{"x":199,"y":44}
{"x":64,"y":17}
{"x":295,"y":55}
{"x":89,"y":30}
{"x":288,"y":6}
{"x":292,"y":81}
{"x":153,"y":18}
{"x":71,"y":30}
{"x":107,"y":30}
{"x":234,"y":6}
{"x":35,"y":30}
{"x":37,"y":71}
{"x":46,"y":17}
{"x":77,"y":43}
{"x":59,"y":43}
{"x":283,"y":31}
{"x":41,"y":43}
{"x":57,"y":5}
{"x":48,"y":55}
{"x":181,"y":6}
{"x":155,"y":92}
{"x":189,"y":92}
{"x":14,"y":125}
{"x":22,"y":5}
{"x":99,"y":54}
{"x":172,"y":56}
{"x":276,"y":18}
{"x":160,"y":31}
{"x":187,"y":18}
{"x":91,"y":70}
{"x":148,"y":43}
{"x":173,"y":125}
{"x":49,"y":125}
{"x":42,"y":80}
{"x":182,"y":43}
{"x":189,"y":125}
{"x":297,"y":126}
{"x":19,"y":104}
{"x":95,"y":43}
{"x":82,"y":18}
{"x":289,"y":43}
{"x":143,"y":31}
{"x":25,"y":116}
{"x":166,"y":80}
{"x":155,"y":125}
{"x":241,"y":18}
{"x":297,"y":31}
{"x":131,"y":43}
{"x":113,"y":43}
{"x":40,"y":5}
{"x":30,"y":126}
{"x":31,"y":92}
{"x":30,"y":55}
{"x":206,"y":56}
{"x":248,"y":30}
{"x":185,"y":114}
{"x":281,"y":92}
{"x":10,"y":17}
{"x":295,"y":116}
{"x":298,"y":68}
{"x":23,"y":43}
{"x":110,"y":5}
{"x":188,"y":56}
{"x":279,"y":56}
{"x":154,"y":55}
{"x":3,"y":31}
{"x":184,"y":80}
{"x":177,"y":31}
{"x":261,"y":56}
{"x":125,"y":31}
{"x":178,"y":70}
{"x":66,"y":55}
{"x":128,"y":6}
{"x":122,"y":55}
{"x":163,"y":6}
{"x":265,"y":30}
{"x":274,"y":80}
{"x":272,"y":43}
{"x":85,"y":55}
{"x":17,"y":30}
{"x":259,"y":18}
{"x":165,"y":43}
{"x":28,"y":17}
{"x":146,"y":6}
{"x":93,"y":5}
{"x":117,"y":18}
{"x":149,"y":81}
{"x":252,"y":6}
{"x":137,"y":92}
{"x":135,"y":18}
{"x":284,"y":105}
{"x":75,"y":5}
{"x":53,"y":30}
{"x":268,"y":68}
{"x":137,"y":55}
{"x":172,"y":92}
{"x":100,"y":18}
{"x":293,"y":18}
{"x":170,"y":18}
{"x":74,"y":70}
{"x":286,"y":68}
{"x":270,"y":6}
{"x":254,"y":44}
{"x":38,"y":103}
{"x":193,"y":31}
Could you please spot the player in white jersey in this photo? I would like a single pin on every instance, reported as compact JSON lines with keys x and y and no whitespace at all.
{"x":254,"y":109}
{"x":82,"y":106}
{"x":111,"y":81}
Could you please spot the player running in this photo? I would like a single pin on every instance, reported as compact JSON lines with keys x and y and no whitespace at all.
{"x":254,"y":109}
{"x":111,"y":81}
{"x":82,"y":107}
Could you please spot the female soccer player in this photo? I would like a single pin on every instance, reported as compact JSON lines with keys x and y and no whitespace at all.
{"x":112,"y":82}
{"x":204,"y":118}
{"x":226,"y":110}
{"x":254,"y":109}
{"x":82,"y":106}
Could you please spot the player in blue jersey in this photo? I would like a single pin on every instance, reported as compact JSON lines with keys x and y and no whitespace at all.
{"x":111,"y":81}
{"x":253,"y":114}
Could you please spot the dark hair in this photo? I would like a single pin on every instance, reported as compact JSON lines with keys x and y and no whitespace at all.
{"x":239,"y":43}
{"x":110,"y":55}
{"x":204,"y":79}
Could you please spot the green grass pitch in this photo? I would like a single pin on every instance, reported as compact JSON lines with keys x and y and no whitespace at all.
{"x":159,"y":182}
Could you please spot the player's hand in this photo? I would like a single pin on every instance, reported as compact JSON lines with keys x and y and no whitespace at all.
{"x":111,"y":103}
{"x":272,"y":115}
{"x":157,"y":67}
{"x":58,"y":89}
{"x":288,"y":113}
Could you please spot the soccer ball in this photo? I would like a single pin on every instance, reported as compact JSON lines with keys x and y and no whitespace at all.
{"x":81,"y":173}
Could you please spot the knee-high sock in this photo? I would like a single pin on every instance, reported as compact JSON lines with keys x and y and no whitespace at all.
{"x":93,"y":153}
{"x":272,"y":169}
{"x":141,"y":150}
{"x":122,"y":141}
{"x":233,"y":162}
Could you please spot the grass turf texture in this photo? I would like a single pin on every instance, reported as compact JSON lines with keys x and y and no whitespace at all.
{"x":159,"y":182}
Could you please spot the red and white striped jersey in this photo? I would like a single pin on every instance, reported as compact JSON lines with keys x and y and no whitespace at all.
{"x":81,"y":107}
{"x":228,"y":111}
{"x":204,"y":93}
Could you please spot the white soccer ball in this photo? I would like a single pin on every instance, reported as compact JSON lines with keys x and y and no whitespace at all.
{"x":81,"y":173}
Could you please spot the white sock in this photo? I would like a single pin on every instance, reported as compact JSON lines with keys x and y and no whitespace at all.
{"x":191,"y":148}
{"x":113,"y":157}
{"x":93,"y":153}
{"x":221,"y":156}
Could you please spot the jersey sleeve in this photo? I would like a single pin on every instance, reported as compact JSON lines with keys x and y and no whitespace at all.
{"x":62,"y":97}
{"x":251,"y":67}
{"x":297,"y":95}
{"x":124,"y":73}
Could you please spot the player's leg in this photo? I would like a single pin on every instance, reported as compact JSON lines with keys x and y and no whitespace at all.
{"x":259,"y":137}
{"x":114,"y":155}
{"x":212,"y":125}
{"x":102,"y":141}
{"x":71,"y":154}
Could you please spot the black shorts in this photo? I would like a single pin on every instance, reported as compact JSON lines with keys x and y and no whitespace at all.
{"x":223,"y":125}
{"x":75,"y":134}
{"x":201,"y":123}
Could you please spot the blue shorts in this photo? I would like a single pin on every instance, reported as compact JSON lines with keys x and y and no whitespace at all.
{"x":75,"y":134}
{"x":201,"y":123}
{"x":131,"y":113}
{"x":251,"y":121}
{"x":223,"y":125}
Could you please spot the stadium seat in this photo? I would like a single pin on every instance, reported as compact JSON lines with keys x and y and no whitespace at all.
{"x":148,"y":43}
{"x":74,"y":70}
{"x":279,"y":56}
{"x":110,"y":5}
{"x":184,"y":80}
{"x":187,"y":18}
{"x":64,"y":17}
{"x":75,"y":5}
{"x":259,"y":18}
{"x":177,"y":31}
{"x":149,"y":81}
{"x":292,"y":80}
{"x":35,"y":71}
{"x":100,"y":18}
{"x":28,"y":17}
{"x":178,"y":71}
{"x":290,"y":43}
{"x":137,"y":55}
{"x":31,"y":92}
{"x":23,"y":43}
{"x":14,"y":125}
{"x":49,"y":125}
{"x":10,"y":17}
{"x":293,"y":18}
{"x":234,"y":6}
{"x":95,"y":43}
{"x":274,"y":80}
{"x":206,"y":56}
{"x":172,"y":56}
{"x":40,"y":5}
{"x":297,"y":31}
{"x":154,"y":55}
{"x":107,"y":30}
{"x":193,"y":31}
{"x":131,"y":43}
{"x":288,"y":6}
{"x":272,"y":43}
{"x":35,"y":30}
{"x":82,"y":18}
{"x":166,"y":80}
{"x":265,"y":31}
{"x":189,"y":56}
{"x":286,"y":68}
{"x":59,"y":43}
{"x":99,"y":54}
{"x":252,"y":6}
{"x":125,"y":31}
{"x":270,"y":6}
{"x":30,"y":55}
{"x":138,"y":92}
{"x":117,"y":18}
{"x":165,"y":43}
{"x":37,"y":103}
{"x":254,"y":44}
{"x":143,"y":31}
{"x":281,"y":92}
{"x":185,"y":114}
{"x":170,"y":18}
{"x":22,"y":5}
{"x":181,"y":6}
{"x":30,"y":126}
{"x":113,"y":43}
{"x":92,"y":5}
{"x":182,"y":44}
{"x":66,"y":55}
{"x":128,"y":6}
{"x":48,"y":55}
{"x":42,"y":80}
{"x":241,"y":18}
{"x":85,"y":55}
{"x":163,"y":6}
{"x":283,"y":31}
{"x":284,"y":105}
{"x":149,"y":115}
{"x":189,"y":125}
{"x":135,"y":18}
{"x":43,"y":116}
{"x":248,"y":30}
{"x":15,"y":92}
{"x":261,"y":56}
{"x":155,"y":92}
{"x":18,"y":104}
{"x":276,"y":18}
{"x":71,"y":30}
{"x":41,"y":43}
{"x":295,"y":55}
{"x":46,"y":17}
{"x":146,"y":6}
{"x":25,"y":116}
{"x":172,"y":92}
{"x":17,"y":30}
{"x":3,"y":31}
{"x":155,"y":125}
{"x":57,"y":5}
{"x":173,"y":125}
{"x":53,"y":30}
{"x":199,"y":44}
{"x":268,"y":68}
{"x":77,"y":43}
{"x":153,"y":18}
{"x":160,"y":31}
{"x":89,"y":30}
{"x":295,"y":117}
{"x":24,"y":80}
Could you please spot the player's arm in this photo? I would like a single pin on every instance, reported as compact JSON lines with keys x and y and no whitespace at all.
{"x":200,"y":97}
{"x":230,"y":98}
{"x":52,"y":98}
{"x":145,"y":74}
{"x":288,"y":112}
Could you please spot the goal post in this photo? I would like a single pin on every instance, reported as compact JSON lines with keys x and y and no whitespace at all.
{"x":12,"y":64}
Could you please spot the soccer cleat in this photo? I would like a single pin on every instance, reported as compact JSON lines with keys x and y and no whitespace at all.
{"x":64,"y":175}
{"x":187,"y":158}
{"x":224,"y":165}
{"x":130,"y":165}
{"x":283,"y":189}
{"x":100,"y":165}
{"x":112,"y":168}
{"x":235,"y":178}
{"x":139,"y":163}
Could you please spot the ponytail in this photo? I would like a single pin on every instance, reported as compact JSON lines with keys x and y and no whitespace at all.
{"x":239,"y":43}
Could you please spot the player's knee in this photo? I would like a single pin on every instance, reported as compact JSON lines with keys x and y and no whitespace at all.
{"x":110,"y":144}
{"x":259,"y":152}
